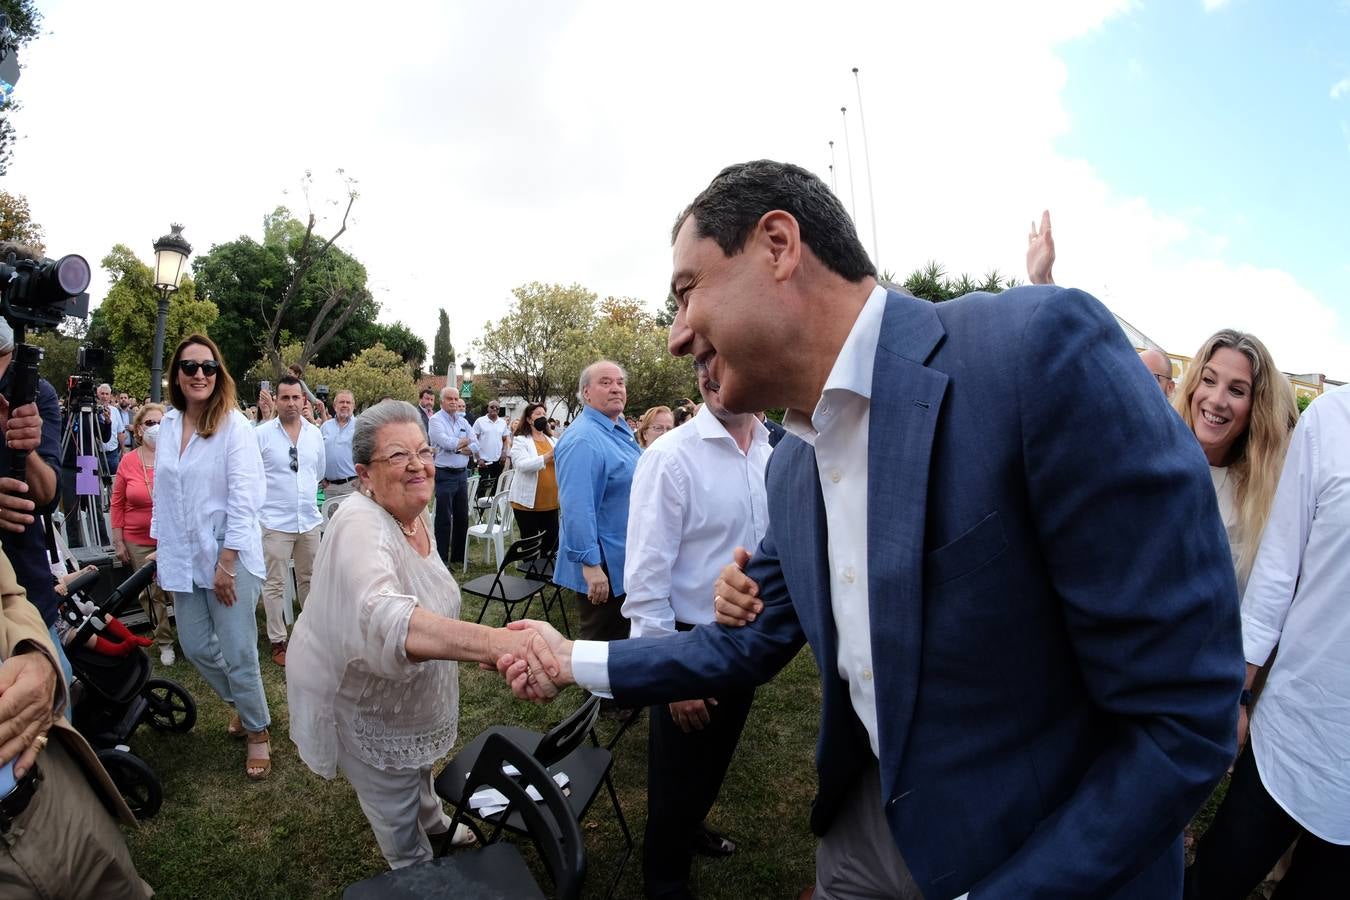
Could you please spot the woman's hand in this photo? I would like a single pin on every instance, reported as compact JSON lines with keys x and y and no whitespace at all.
{"x":122,"y":550}
{"x":542,"y":667}
{"x":226,"y":566}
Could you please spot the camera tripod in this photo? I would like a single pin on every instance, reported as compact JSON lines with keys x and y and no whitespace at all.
{"x":86,"y":513}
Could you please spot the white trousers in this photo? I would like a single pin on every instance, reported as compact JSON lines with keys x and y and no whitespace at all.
{"x":401,"y":806}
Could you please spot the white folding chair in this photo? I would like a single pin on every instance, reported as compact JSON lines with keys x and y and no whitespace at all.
{"x":493,"y":529}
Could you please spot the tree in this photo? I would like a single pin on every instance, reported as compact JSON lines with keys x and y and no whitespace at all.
{"x":129,"y":314}
{"x":60,"y":350}
{"x":536,"y":347}
{"x":625,"y":332}
{"x":932,"y":283}
{"x":370,"y":375}
{"x":17,"y":225}
{"x":24,"y":24}
{"x":442,"y":352}
{"x":293,"y":286}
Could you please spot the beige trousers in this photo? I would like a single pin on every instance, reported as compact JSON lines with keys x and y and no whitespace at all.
{"x":279,"y":548}
{"x":152,"y":599}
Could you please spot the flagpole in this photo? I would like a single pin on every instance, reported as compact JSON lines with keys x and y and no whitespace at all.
{"x":867,"y":159}
{"x":848,"y":157}
{"x":834,"y":186}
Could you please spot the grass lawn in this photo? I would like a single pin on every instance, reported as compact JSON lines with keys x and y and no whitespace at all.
{"x":297,"y":835}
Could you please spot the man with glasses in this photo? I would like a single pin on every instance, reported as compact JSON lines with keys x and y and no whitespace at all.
{"x":339,"y":474}
{"x":1160,"y":367}
{"x":293,"y":457}
{"x":494,"y":440}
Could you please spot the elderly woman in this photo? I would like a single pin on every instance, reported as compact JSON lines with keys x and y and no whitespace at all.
{"x":209,"y":486}
{"x":373,"y":690}
{"x":132,"y":506}
{"x":1242,"y":411}
{"x":654,"y":423}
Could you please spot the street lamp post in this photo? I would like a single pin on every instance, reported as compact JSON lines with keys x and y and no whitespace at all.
{"x":171,"y":253}
{"x":466,"y":383}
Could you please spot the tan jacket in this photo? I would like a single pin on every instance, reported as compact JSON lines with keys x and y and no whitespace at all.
{"x":21,"y":628}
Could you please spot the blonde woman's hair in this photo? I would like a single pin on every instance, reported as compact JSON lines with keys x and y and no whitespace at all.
{"x":222,"y":401}
{"x":1258,"y":453}
{"x":648,"y":418}
{"x":140,"y":417}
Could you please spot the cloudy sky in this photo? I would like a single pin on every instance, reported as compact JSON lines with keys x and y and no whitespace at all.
{"x":1195,"y":154}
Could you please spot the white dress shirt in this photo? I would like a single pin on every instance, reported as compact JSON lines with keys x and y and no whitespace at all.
{"x":695,"y":498}
{"x":838,"y":429}
{"x":444,"y":433}
{"x":1298,"y":596}
{"x":209,"y":493}
{"x":292,"y":503}
{"x":491,"y":437}
{"x":117,"y":424}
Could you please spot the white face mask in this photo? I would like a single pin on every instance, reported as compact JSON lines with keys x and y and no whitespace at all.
{"x":150,"y":435}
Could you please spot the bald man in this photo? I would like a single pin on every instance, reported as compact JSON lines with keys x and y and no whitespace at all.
{"x":1160,"y":366}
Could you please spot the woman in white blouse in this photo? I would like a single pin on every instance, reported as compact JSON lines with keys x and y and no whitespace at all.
{"x":534,"y":490}
{"x":1241,"y":409}
{"x":371,"y":687}
{"x":209,"y":486}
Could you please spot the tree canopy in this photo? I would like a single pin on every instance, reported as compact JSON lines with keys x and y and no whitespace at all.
{"x":16,"y":222}
{"x":442,"y":352}
{"x":932,"y":283}
{"x":25,"y":24}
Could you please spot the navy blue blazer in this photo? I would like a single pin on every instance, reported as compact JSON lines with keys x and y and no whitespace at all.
{"x":1054,"y":614}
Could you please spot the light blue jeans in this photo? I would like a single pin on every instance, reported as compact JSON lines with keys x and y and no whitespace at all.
{"x":222,"y":642}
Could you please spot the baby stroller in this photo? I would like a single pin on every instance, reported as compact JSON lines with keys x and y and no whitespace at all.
{"x":118,"y":693}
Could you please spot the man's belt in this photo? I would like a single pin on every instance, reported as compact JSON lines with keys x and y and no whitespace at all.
{"x":16,"y":801}
{"x":341,"y":480}
{"x":452,"y":468}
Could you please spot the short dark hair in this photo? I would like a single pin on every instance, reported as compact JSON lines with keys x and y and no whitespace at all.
{"x":422,"y":393}
{"x":288,"y":379}
{"x":731,"y":206}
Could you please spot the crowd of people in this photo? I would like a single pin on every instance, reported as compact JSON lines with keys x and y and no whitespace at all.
{"x":1043,"y":632}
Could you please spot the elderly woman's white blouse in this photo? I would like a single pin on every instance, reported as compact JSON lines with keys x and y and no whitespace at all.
{"x":209,"y":494}
{"x":348,"y":676}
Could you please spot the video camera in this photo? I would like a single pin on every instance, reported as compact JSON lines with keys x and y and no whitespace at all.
{"x":82,"y":388}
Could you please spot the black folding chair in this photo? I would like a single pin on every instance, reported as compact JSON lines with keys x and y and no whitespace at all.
{"x":563,"y":749}
{"x":504,"y":588}
{"x":541,"y":569}
{"x":496,"y":869}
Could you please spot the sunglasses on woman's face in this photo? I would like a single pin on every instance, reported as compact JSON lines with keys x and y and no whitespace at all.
{"x":209,"y":367}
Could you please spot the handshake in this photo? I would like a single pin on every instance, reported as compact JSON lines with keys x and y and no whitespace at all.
{"x":536,"y":660}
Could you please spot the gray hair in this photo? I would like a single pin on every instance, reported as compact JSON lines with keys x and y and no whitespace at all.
{"x":450,"y":389}
{"x":584,"y":380}
{"x":105,"y":386}
{"x":6,"y":337}
{"x":369,"y":423}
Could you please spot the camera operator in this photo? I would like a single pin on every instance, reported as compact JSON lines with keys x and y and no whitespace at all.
{"x":32,"y":427}
{"x":117,"y":424}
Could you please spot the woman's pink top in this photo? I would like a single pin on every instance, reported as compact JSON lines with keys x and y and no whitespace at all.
{"x":132,"y":499}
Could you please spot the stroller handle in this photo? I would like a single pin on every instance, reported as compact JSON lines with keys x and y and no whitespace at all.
{"x":132,"y":587}
{"x":83,"y":583}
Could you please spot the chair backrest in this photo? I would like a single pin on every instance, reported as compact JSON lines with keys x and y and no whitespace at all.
{"x":523,"y":549}
{"x":502,"y":505}
{"x":551,"y":824}
{"x":568,"y":734}
{"x":504,"y":481}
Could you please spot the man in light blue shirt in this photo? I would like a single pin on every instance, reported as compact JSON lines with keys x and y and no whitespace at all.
{"x":339,"y":473}
{"x":452,"y":436}
{"x":595,"y":460}
{"x":118,"y":423}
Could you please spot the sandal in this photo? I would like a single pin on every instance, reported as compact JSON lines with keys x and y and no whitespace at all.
{"x":255,"y":767}
{"x":236,"y":727}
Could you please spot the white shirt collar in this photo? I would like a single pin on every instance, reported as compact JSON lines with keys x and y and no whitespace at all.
{"x":710,"y":428}
{"x":852,"y":371}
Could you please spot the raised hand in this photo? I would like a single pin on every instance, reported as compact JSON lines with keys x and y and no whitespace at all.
{"x":1041,"y":252}
{"x":736,"y":596}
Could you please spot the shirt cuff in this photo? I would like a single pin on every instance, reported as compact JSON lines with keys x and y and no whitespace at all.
{"x":590,"y":667}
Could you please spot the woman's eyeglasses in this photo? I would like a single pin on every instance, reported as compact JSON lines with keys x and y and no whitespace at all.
{"x":399,"y":459}
{"x":209,"y":367}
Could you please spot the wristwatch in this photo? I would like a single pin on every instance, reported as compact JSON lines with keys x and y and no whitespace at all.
{"x":1245,"y":698}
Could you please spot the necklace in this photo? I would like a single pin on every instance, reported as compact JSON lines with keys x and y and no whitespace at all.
{"x":407,"y":532}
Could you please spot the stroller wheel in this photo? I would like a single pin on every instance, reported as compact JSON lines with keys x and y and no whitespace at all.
{"x":136,"y":782}
{"x":169,"y":706}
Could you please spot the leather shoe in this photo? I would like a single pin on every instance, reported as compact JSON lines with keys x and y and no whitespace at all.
{"x":279,"y":653}
{"x":707,"y":842}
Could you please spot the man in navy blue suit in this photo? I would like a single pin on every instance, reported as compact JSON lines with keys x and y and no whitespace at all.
{"x":1002,"y":546}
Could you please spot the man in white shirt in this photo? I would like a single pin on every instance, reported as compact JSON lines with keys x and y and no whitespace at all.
{"x":452,"y":436}
{"x":117,"y":422}
{"x":1293,"y":782}
{"x":339,"y":472}
{"x":494,"y":441}
{"x":698,"y":493}
{"x":293,"y":457}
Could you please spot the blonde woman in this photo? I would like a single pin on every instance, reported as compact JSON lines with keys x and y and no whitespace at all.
{"x":654,"y":423}
{"x":132,"y":508}
{"x":1241,"y":409}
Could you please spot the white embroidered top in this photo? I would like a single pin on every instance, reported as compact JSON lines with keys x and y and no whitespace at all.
{"x":348,"y":676}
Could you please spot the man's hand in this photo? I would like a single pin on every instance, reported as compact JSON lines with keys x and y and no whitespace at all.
{"x":736,"y":596}
{"x":532,"y":677}
{"x":16,"y":511}
{"x":1041,"y":252}
{"x":27,"y":691}
{"x":22,"y":426}
{"x":597,"y":584}
{"x":1244,"y":723}
{"x":692,"y":715}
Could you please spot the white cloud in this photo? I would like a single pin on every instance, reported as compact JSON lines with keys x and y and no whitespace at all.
{"x":1212,"y":5}
{"x":502,"y":143}
{"x":1340,"y":88}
